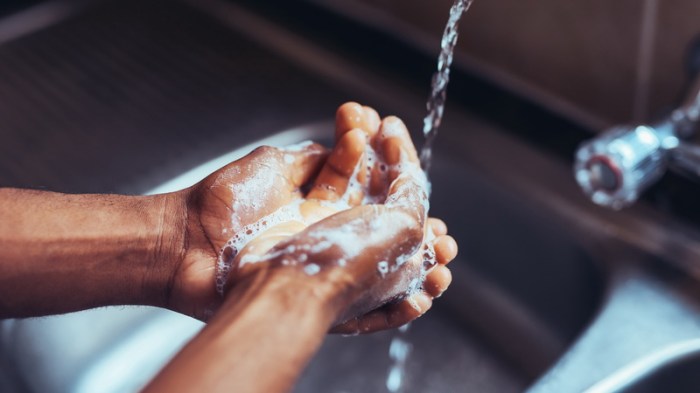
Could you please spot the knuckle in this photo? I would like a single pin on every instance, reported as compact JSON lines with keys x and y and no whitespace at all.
{"x":265,"y":150}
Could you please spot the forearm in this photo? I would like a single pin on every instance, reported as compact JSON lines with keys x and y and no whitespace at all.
{"x":260,"y":340}
{"x":61,"y":252}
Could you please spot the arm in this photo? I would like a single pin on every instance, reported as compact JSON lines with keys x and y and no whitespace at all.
{"x":275,"y":315}
{"x":62,"y":253}
{"x":275,"y":318}
{"x":260,"y":342}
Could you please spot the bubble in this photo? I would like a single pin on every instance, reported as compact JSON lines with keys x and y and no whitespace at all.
{"x":429,"y":259}
{"x":312,"y":269}
{"x":228,"y":254}
{"x":383,"y":268}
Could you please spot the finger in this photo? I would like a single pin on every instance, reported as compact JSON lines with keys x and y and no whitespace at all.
{"x":389,"y":316}
{"x":437,"y":281}
{"x":408,"y":193}
{"x":302,"y":164}
{"x":395,"y":142}
{"x":372,"y":120}
{"x":437,"y":226}
{"x":332,"y":183}
{"x":352,"y":115}
{"x":445,"y":249}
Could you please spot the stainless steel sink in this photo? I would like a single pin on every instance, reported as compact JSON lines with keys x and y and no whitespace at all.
{"x":679,"y":373}
{"x":542,"y":275}
{"x":492,"y":332}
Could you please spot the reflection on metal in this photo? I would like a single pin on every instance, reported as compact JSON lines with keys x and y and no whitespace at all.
{"x":619,"y":164}
{"x":635,"y":157}
{"x":36,"y":18}
{"x":645,"y":324}
{"x":645,"y":366}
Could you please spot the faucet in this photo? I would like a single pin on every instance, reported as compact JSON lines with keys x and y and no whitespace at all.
{"x":614,"y":168}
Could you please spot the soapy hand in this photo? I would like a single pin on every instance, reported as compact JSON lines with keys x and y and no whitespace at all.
{"x":225,"y":203}
{"x":361,"y":230}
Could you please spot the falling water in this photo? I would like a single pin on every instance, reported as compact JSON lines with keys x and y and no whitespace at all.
{"x":438,"y":94}
{"x":400,"y":348}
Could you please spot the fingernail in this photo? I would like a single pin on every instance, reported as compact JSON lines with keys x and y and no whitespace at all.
{"x":421,"y":301}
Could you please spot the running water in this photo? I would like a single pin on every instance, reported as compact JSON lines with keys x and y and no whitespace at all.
{"x":438,"y":94}
{"x":400,"y":348}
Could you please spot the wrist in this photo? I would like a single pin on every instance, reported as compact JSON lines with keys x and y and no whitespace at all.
{"x":289,"y":289}
{"x":169,"y":247}
{"x":268,"y":318}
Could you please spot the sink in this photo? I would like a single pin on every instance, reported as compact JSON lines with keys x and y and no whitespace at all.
{"x":531,"y":287}
{"x":677,"y":371}
{"x":491,"y":332}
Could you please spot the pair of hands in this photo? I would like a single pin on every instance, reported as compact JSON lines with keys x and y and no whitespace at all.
{"x":395,"y":228}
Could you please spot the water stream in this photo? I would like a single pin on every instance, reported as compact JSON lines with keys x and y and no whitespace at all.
{"x":400,"y":348}
{"x":441,"y":78}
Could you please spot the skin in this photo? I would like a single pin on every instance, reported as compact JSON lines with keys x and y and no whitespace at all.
{"x":64,"y":253}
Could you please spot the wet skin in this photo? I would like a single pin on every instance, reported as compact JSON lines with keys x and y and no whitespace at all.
{"x":211,"y":225}
{"x":274,"y":314}
{"x":357,"y":127}
{"x":63,"y":253}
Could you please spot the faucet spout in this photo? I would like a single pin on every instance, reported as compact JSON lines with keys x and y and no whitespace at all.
{"x":614,"y":168}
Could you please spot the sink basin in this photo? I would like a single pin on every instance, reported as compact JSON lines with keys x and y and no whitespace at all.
{"x":525,"y":285}
{"x":492,"y":332}
{"x":678,"y":371}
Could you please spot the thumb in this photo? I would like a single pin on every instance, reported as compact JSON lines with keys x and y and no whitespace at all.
{"x":303,"y":161}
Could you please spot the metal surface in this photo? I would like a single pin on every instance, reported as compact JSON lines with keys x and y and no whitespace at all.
{"x":129,"y":345}
{"x":186,"y":83}
{"x":181,"y":89}
{"x":615,"y":167}
{"x":646,"y":322}
{"x":635,"y":157}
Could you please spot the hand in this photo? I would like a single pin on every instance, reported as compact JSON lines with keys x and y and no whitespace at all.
{"x":369,"y":251}
{"x":354,"y":252}
{"x":222,"y":205}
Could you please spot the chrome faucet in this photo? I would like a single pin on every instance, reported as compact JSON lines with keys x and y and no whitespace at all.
{"x":617,"y":166}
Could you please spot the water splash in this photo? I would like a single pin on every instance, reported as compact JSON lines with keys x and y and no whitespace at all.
{"x":438,"y":94}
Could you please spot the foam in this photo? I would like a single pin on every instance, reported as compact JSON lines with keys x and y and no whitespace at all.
{"x":249,"y":193}
{"x":339,"y":237}
{"x":383,"y":268}
{"x":247,"y":233}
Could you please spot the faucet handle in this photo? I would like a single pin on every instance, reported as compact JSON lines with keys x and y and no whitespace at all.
{"x":614,"y":168}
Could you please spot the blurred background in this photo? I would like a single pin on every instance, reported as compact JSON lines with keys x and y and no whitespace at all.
{"x":551,"y":293}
